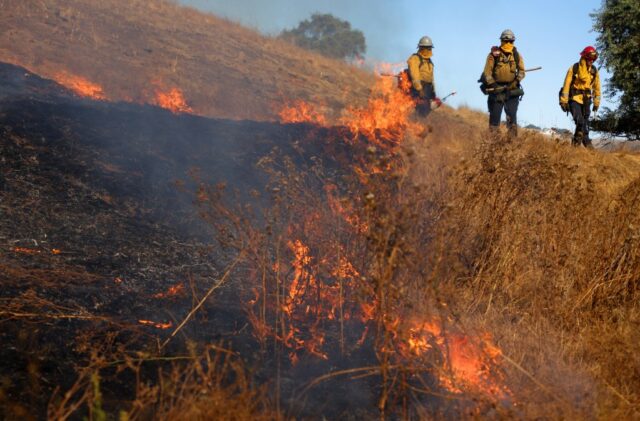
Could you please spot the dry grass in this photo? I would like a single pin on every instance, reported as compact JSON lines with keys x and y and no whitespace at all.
{"x":529,"y":239}
{"x":538,"y":243}
{"x":134,"y":48}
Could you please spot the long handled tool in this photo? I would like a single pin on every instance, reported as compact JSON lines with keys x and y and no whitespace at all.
{"x":435,"y":104}
{"x":500,"y":89}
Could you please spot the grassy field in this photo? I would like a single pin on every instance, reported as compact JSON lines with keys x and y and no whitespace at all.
{"x":529,"y":240}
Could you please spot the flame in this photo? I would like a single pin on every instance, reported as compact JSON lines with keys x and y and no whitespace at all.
{"x":467,"y":363}
{"x":301,"y":112}
{"x":173,"y":100}
{"x":344,"y":208}
{"x":81,"y":86}
{"x":24,"y":250}
{"x":173,"y":291}
{"x":157,"y":325}
{"x":387,"y":116}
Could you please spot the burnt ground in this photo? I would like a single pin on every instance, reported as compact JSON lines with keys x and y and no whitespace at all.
{"x":98,"y":218}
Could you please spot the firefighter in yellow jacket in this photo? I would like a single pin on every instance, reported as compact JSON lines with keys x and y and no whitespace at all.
{"x":503,"y":72}
{"x":421,"y":75}
{"x":581,"y":88}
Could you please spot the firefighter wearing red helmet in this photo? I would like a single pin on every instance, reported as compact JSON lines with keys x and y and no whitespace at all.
{"x":581,"y":91}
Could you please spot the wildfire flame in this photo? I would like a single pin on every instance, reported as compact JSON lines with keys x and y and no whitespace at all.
{"x":157,"y":325}
{"x":301,"y":112}
{"x":386,"y":118}
{"x":172,"y":100}
{"x":25,"y":250}
{"x":467,"y":363}
{"x":173,"y":291}
{"x":344,"y":208}
{"x":80,"y":85}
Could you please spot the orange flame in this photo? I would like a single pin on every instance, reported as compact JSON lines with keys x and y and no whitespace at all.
{"x":301,"y":112}
{"x":171,"y":292}
{"x":173,"y":100}
{"x":24,"y":250}
{"x":81,"y":86}
{"x":344,"y":208}
{"x":466,"y":362}
{"x":386,"y":118}
{"x":157,"y":325}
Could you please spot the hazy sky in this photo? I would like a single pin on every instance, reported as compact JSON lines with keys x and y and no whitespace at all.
{"x":549,"y":33}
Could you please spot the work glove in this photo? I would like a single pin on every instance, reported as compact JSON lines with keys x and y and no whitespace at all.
{"x":493,"y":85}
{"x":436,"y":102}
{"x":564,"y":106}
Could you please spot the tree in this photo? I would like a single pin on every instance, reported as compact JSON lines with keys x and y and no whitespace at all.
{"x":618,"y":22}
{"x":329,"y":36}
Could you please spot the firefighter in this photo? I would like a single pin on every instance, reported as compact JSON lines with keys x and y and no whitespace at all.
{"x":581,"y":88}
{"x":503,"y":72}
{"x":421,"y":75}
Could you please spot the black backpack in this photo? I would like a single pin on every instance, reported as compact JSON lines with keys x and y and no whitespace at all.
{"x":572,"y":91}
{"x":483,"y":80}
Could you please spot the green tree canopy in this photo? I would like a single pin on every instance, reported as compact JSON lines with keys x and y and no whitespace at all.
{"x":329,"y":36}
{"x":618,"y":22}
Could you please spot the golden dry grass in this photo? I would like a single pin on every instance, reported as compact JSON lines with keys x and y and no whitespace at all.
{"x":539,"y":244}
{"x":529,"y":239}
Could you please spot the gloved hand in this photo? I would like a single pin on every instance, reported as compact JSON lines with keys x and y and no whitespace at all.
{"x":422,"y":93}
{"x":493,"y":85}
{"x":436,"y":102}
{"x":595,"y":108}
{"x":564,"y":106}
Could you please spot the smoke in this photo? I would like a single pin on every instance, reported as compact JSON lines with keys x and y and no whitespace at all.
{"x":380,"y":25}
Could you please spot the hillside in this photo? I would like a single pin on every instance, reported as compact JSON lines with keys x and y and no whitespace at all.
{"x":134,"y":50}
{"x":348,"y":262}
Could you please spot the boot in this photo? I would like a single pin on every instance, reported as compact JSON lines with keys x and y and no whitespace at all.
{"x":577,"y":138}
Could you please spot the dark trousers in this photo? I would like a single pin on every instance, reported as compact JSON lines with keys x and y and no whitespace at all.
{"x":580,"y":114}
{"x":423,"y":105}
{"x":496,"y":102}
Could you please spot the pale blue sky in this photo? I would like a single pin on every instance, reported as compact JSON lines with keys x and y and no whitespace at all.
{"x":549,"y":33}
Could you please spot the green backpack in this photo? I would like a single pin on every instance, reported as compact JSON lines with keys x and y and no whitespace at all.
{"x":483,"y":80}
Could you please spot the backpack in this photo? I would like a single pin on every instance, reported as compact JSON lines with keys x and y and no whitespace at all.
{"x":483,"y":80}
{"x":572,"y":91}
{"x":404,"y":77}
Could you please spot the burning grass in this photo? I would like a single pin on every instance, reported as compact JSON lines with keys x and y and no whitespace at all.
{"x":364,"y":281}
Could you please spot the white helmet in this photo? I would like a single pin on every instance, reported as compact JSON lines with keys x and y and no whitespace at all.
{"x":507,"y":35}
{"x":425,"y":41}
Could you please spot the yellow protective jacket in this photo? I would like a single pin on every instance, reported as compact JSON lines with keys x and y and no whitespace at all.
{"x":420,"y":70}
{"x":586,"y":82}
{"x":506,"y":69}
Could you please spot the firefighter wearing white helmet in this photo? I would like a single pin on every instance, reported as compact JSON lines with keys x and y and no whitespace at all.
{"x":503,"y":72}
{"x":421,"y":75}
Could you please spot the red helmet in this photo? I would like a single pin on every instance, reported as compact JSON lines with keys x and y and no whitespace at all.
{"x":589,"y":53}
